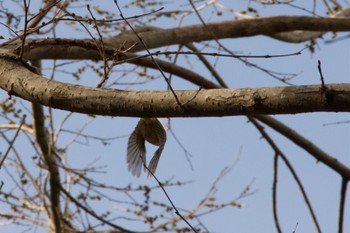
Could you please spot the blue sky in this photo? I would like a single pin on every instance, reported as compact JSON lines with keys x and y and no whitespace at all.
{"x":218,"y":142}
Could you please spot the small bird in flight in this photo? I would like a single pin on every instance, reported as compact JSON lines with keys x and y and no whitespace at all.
{"x":152,"y":131}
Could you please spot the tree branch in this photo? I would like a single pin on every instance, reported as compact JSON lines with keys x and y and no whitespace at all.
{"x":279,"y":153}
{"x":307,"y":145}
{"x":268,"y":26}
{"x":17,"y":80}
{"x":230,"y":29}
{"x":12,"y":141}
{"x":50,"y":161}
{"x":344,"y":185}
{"x":92,"y":213}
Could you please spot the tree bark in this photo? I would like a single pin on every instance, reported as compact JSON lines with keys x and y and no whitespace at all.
{"x":18,"y":80}
{"x":268,"y":26}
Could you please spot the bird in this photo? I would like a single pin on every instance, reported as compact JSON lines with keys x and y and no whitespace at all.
{"x":152,"y":131}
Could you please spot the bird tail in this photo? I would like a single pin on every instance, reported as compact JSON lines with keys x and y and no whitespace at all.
{"x":152,"y":166}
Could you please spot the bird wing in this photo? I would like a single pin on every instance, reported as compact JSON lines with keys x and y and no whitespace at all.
{"x":136,"y":153}
{"x":159,"y":139}
{"x":152,"y":166}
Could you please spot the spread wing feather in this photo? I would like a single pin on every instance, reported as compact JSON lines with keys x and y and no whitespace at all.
{"x":154,"y":161}
{"x":152,"y":131}
{"x":136,"y":153}
{"x":158,"y":130}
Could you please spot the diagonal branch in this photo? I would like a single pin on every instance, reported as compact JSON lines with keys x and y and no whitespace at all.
{"x":307,"y":145}
{"x":12,"y":141}
{"x":279,"y":153}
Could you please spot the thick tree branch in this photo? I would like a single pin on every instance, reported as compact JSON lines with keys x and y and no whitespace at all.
{"x":230,"y":29}
{"x":307,"y":145}
{"x":269,"y":26}
{"x":50,"y":161}
{"x":17,"y":80}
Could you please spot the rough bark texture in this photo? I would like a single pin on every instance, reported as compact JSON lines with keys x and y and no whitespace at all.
{"x":18,"y":80}
{"x":268,"y":26}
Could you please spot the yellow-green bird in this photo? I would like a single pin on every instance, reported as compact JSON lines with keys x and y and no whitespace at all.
{"x":152,"y":131}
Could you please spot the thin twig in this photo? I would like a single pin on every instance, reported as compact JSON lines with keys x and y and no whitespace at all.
{"x":268,"y":119}
{"x":187,"y":153}
{"x":274,"y":193}
{"x":168,"y":197}
{"x":290,"y":167}
{"x":13,"y":140}
{"x":344,"y":185}
{"x":321,"y":75}
{"x":35,"y":20}
{"x":24,"y":27}
{"x":275,"y":172}
{"x":91,"y":212}
{"x":174,"y":63}
{"x":103,"y":21}
{"x":149,"y":53}
{"x":295,"y":228}
{"x":179,"y":103}
{"x":101,"y":48}
{"x":206,"y":63}
{"x":244,"y":61}
{"x":196,"y":52}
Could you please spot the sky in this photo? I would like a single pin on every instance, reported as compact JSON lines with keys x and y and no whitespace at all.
{"x":219,"y":142}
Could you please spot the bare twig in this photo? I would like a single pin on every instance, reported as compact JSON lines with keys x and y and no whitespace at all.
{"x":290,"y":167}
{"x":206,"y":64}
{"x":24,"y":128}
{"x":168,"y":197}
{"x":32,"y":27}
{"x":275,"y":172}
{"x":149,"y":53}
{"x":24,"y":35}
{"x":12,"y":141}
{"x":274,"y":192}
{"x":336,"y":123}
{"x":244,"y":61}
{"x":269,"y":120}
{"x":343,"y":190}
{"x":179,"y":103}
{"x":295,"y":228}
{"x":323,"y":88}
{"x":103,"y":21}
{"x":340,"y":38}
{"x":34,"y":21}
{"x":184,"y":73}
{"x":307,"y":145}
{"x":206,"y":201}
{"x":92,"y":213}
{"x":187,"y":153}
{"x":101,"y":48}
{"x":200,"y":55}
